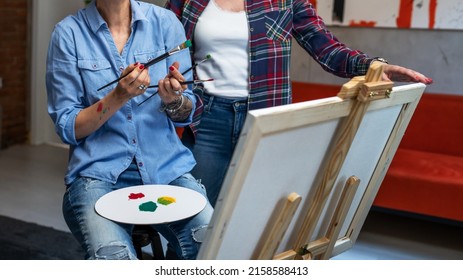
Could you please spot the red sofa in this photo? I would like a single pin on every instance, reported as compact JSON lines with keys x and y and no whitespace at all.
{"x":426,"y":175}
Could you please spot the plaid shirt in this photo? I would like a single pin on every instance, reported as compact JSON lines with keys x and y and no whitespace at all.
{"x":272,"y":25}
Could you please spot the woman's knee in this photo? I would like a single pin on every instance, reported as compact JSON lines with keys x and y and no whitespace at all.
{"x":113,"y":251}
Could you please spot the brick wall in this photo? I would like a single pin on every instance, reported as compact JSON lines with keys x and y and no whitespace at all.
{"x":14,"y":72}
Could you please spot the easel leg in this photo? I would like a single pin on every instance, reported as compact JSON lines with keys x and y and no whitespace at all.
{"x":322,"y":248}
{"x":279,"y":227}
{"x":345,"y":201}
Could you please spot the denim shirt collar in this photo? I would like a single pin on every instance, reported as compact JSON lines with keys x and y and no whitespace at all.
{"x":95,"y":20}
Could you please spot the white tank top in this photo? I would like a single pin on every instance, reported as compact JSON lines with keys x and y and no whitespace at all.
{"x":225,"y":36}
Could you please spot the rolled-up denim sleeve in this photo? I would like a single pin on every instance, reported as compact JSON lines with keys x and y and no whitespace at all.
{"x":64,"y":86}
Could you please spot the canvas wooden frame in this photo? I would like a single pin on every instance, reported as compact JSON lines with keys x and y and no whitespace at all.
{"x":277,"y":154}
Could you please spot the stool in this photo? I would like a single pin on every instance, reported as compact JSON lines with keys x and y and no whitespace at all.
{"x":142,"y":236}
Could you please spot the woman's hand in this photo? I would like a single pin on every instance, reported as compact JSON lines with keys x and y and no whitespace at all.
{"x":170,"y":88}
{"x":397,"y":73}
{"x":135,"y":83}
{"x":177,"y":106}
{"x":93,"y":117}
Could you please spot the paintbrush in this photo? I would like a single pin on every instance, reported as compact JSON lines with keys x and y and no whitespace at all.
{"x":178,"y":48}
{"x":197,"y":63}
{"x":187,"y":82}
{"x":183,"y":73}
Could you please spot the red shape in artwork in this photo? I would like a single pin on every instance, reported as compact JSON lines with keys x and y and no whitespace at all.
{"x":432,"y":13}
{"x":362,"y":23}
{"x":136,"y":195}
{"x":404,"y":20}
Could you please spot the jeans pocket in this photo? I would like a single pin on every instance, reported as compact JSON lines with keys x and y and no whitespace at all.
{"x":207,"y":103}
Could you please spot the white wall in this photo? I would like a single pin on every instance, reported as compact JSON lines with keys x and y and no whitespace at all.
{"x":45,"y":14}
{"x":435,"y":53}
{"x":438,"y":14}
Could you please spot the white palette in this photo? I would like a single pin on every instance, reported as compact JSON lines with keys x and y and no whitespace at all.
{"x":123,"y":206}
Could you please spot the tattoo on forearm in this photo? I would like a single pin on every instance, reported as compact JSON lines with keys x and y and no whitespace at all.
{"x":182,"y":112}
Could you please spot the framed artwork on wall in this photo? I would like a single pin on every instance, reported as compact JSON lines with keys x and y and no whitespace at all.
{"x":423,"y":14}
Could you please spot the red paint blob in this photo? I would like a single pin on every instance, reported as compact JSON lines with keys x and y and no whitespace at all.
{"x":136,"y":195}
{"x":100,"y":107}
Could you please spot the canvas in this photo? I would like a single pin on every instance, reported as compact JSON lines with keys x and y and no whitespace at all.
{"x":291,"y":149}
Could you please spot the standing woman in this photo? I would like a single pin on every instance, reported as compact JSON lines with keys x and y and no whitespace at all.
{"x":114,"y":142}
{"x":250,"y":44}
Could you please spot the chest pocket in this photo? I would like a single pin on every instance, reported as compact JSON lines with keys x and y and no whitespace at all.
{"x":158,"y":70}
{"x":95,"y":73}
{"x":144,"y":56}
{"x":93,"y":64}
{"x":279,"y":24}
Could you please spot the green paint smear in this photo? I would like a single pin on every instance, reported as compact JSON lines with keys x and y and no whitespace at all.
{"x":149,"y":206}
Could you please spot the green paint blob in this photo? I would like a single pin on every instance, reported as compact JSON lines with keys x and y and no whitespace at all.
{"x":149,"y":206}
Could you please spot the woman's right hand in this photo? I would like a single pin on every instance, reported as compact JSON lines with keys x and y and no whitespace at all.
{"x":92,"y":118}
{"x":135,"y":83}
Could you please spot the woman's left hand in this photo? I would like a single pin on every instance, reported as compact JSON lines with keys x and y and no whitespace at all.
{"x":170,"y":88}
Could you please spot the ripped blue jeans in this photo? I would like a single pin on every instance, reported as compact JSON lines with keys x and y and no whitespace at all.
{"x":104,"y":239}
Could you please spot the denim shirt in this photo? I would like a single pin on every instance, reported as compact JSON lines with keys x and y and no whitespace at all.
{"x":82,"y":57}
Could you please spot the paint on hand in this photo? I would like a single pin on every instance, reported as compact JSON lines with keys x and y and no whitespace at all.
{"x":149,"y":206}
{"x":136,"y":195}
{"x":166,"y":200}
{"x":101,"y":109}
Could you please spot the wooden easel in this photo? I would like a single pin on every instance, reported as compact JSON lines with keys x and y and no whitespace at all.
{"x":364,"y":89}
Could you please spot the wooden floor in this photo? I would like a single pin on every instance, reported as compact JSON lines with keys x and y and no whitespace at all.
{"x":31,"y":189}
